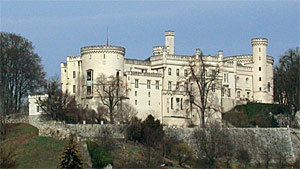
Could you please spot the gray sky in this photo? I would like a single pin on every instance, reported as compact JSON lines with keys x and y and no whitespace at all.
{"x":60,"y":28}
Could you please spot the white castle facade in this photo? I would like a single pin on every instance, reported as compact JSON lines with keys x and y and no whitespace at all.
{"x":153,"y":85}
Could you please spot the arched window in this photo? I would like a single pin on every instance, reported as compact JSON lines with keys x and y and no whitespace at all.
{"x":238,"y":94}
{"x":89,"y":81}
{"x":237,"y":79}
{"x":247,"y":80}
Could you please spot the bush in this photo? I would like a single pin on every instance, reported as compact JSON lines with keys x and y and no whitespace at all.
{"x":99,"y":155}
{"x":133,"y":132}
{"x":182,"y":153}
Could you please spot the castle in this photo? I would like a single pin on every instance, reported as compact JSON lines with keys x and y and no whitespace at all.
{"x":153,"y":85}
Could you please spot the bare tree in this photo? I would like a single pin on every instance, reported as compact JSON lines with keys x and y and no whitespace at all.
{"x":110,"y":90}
{"x":287,"y":80}
{"x":212,"y":143}
{"x":21,"y":73}
{"x":201,"y":82}
{"x":125,"y":113}
{"x":58,"y":105}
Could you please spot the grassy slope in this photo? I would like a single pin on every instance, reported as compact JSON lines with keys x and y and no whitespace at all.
{"x":33,"y":151}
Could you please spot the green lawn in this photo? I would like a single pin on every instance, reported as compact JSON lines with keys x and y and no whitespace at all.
{"x":33,"y":151}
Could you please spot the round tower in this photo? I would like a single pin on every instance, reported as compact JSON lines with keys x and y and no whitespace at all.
{"x":96,"y":60}
{"x":259,"y":56}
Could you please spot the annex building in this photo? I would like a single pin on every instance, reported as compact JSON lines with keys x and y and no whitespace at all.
{"x":153,"y":85}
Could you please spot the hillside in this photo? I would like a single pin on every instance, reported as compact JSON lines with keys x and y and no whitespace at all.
{"x":31,"y":150}
{"x":254,"y":114}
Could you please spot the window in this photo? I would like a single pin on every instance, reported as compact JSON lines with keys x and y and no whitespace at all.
{"x":149,"y":102}
{"x":37,"y":108}
{"x":103,"y":56}
{"x":259,"y":78}
{"x":229,"y":93}
{"x":269,"y":86}
{"x":171,"y":102}
{"x":136,"y":83}
{"x":238,"y":94}
{"x":177,"y":86}
{"x":135,"y":93}
{"x":169,"y":71}
{"x":89,"y":75}
{"x":177,"y":72}
{"x":156,"y":84}
{"x":170,"y":85}
{"x":135,"y":102}
{"x":225,"y":77}
{"x":248,"y":95}
{"x":237,"y":79}
{"x":148,"y":84}
{"x":247,"y":80}
{"x":259,"y":88}
{"x":74,"y":88}
{"x":181,"y":107}
{"x":259,"y":58}
{"x":259,"y":49}
{"x":74,"y":74}
{"x":213,"y":87}
{"x":89,"y":90}
{"x":222,"y":91}
{"x":192,"y":87}
{"x":185,"y":73}
{"x":185,"y":86}
{"x":149,"y":94}
{"x":259,"y":69}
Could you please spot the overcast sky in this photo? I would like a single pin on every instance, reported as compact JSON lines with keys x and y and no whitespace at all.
{"x":60,"y":28}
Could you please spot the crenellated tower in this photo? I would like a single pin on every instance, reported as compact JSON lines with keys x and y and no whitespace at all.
{"x":169,"y":41}
{"x":260,"y":80}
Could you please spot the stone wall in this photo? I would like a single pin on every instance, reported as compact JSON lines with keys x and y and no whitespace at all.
{"x":61,"y":130}
{"x":256,"y":140}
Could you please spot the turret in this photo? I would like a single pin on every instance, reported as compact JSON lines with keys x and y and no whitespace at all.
{"x":259,"y":54}
{"x":169,"y":41}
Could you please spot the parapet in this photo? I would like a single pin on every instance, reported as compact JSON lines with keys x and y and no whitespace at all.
{"x":158,"y":50}
{"x":259,"y":41}
{"x":63,"y":64}
{"x":104,"y":49}
{"x":169,"y":33}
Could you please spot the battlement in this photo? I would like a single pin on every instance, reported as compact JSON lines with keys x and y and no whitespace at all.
{"x":169,"y":33}
{"x":259,"y":41}
{"x":137,"y":62}
{"x":158,"y":50}
{"x":102,"y":48}
{"x":63,"y":64}
{"x":73,"y":58}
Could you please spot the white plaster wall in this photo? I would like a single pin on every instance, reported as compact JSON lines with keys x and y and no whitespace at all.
{"x":32,"y":102}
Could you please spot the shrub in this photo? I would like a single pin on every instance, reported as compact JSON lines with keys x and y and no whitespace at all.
{"x":99,"y":155}
{"x":133,"y":132}
{"x":182,"y":153}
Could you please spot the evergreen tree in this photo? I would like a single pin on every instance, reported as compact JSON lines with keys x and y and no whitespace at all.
{"x":70,"y":158}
